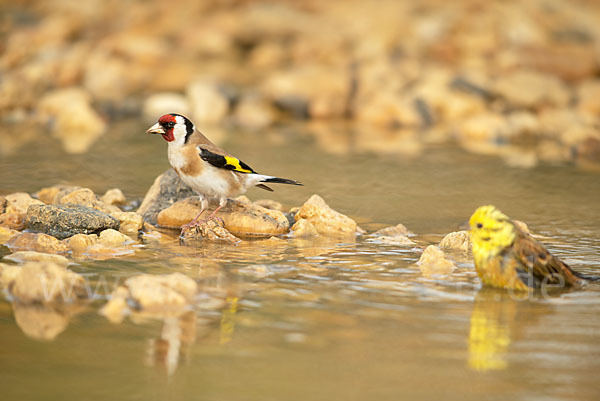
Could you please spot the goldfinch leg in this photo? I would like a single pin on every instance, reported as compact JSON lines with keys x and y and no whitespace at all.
{"x":222,"y":203}
{"x":195,"y":221}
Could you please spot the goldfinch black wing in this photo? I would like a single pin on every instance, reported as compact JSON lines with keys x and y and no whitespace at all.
{"x":224,"y":161}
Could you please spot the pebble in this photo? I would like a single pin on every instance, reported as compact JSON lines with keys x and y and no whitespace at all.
{"x":74,"y":121}
{"x":434,"y":261}
{"x":254,"y":112}
{"x":113,"y":238}
{"x":588,"y":101}
{"x":212,"y":230}
{"x":32,"y":256}
{"x":324,"y":219}
{"x":531,"y":89}
{"x":84,"y":197}
{"x":6,"y":234}
{"x":114,"y":197}
{"x":130,"y":223}
{"x":65,"y":221}
{"x":14,"y":209}
{"x":166,"y":102}
{"x":393,"y":231}
{"x":48,"y":195}
{"x":79,"y":243}
{"x":36,"y":242}
{"x":400,"y":240}
{"x":208,"y":104}
{"x":304,"y":228}
{"x":459,"y":240}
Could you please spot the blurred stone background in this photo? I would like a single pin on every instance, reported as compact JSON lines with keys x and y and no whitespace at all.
{"x":519,"y":79}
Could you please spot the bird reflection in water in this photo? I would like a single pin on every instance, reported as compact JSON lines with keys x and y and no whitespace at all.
{"x":498,"y":319}
{"x":179,"y":333}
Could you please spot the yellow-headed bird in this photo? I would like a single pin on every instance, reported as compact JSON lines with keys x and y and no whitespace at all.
{"x":507,"y":257}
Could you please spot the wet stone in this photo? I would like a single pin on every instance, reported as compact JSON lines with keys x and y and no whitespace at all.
{"x":304,"y":228}
{"x":48,"y":195}
{"x":36,"y":242}
{"x":458,"y":240}
{"x":434,"y":261}
{"x":32,"y":256}
{"x":6,"y":234}
{"x":130,"y":223}
{"x":13,"y":210}
{"x":113,"y":238}
{"x":324,"y":219}
{"x":79,"y":243}
{"x":393,"y":231}
{"x":212,"y":230}
{"x":85,"y":197}
{"x":114,"y":197}
{"x":66,"y":221}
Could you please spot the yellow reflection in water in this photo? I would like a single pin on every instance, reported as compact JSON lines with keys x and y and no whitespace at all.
{"x":488,"y":342}
{"x":492,"y":321}
{"x":228,"y":320}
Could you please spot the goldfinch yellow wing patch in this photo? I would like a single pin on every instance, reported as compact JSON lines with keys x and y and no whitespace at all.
{"x":225,"y":162}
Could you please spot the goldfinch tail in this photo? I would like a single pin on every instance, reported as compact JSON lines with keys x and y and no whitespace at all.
{"x":276,"y":180}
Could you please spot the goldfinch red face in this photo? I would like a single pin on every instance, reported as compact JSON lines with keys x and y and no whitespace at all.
{"x":173,"y":127}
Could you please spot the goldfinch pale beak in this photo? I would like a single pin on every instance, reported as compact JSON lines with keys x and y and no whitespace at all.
{"x":156,"y":129}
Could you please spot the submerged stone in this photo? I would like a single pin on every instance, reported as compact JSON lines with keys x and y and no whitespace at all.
{"x":65,"y":221}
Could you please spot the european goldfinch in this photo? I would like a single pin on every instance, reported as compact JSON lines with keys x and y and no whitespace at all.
{"x":508,"y":257}
{"x":210,"y":171}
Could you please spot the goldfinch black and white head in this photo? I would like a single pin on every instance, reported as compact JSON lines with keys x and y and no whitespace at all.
{"x":174,"y":128}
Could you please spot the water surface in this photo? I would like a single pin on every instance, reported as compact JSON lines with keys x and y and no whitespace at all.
{"x":335,"y":319}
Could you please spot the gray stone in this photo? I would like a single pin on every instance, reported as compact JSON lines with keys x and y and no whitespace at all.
{"x":166,"y":190}
{"x":65,"y":221}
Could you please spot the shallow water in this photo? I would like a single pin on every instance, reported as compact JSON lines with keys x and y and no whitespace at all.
{"x":303,"y":319}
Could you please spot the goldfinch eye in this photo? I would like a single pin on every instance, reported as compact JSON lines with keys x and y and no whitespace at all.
{"x":479,"y":225}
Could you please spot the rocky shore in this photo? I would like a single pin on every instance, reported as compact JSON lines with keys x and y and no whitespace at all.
{"x":59,"y":227}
